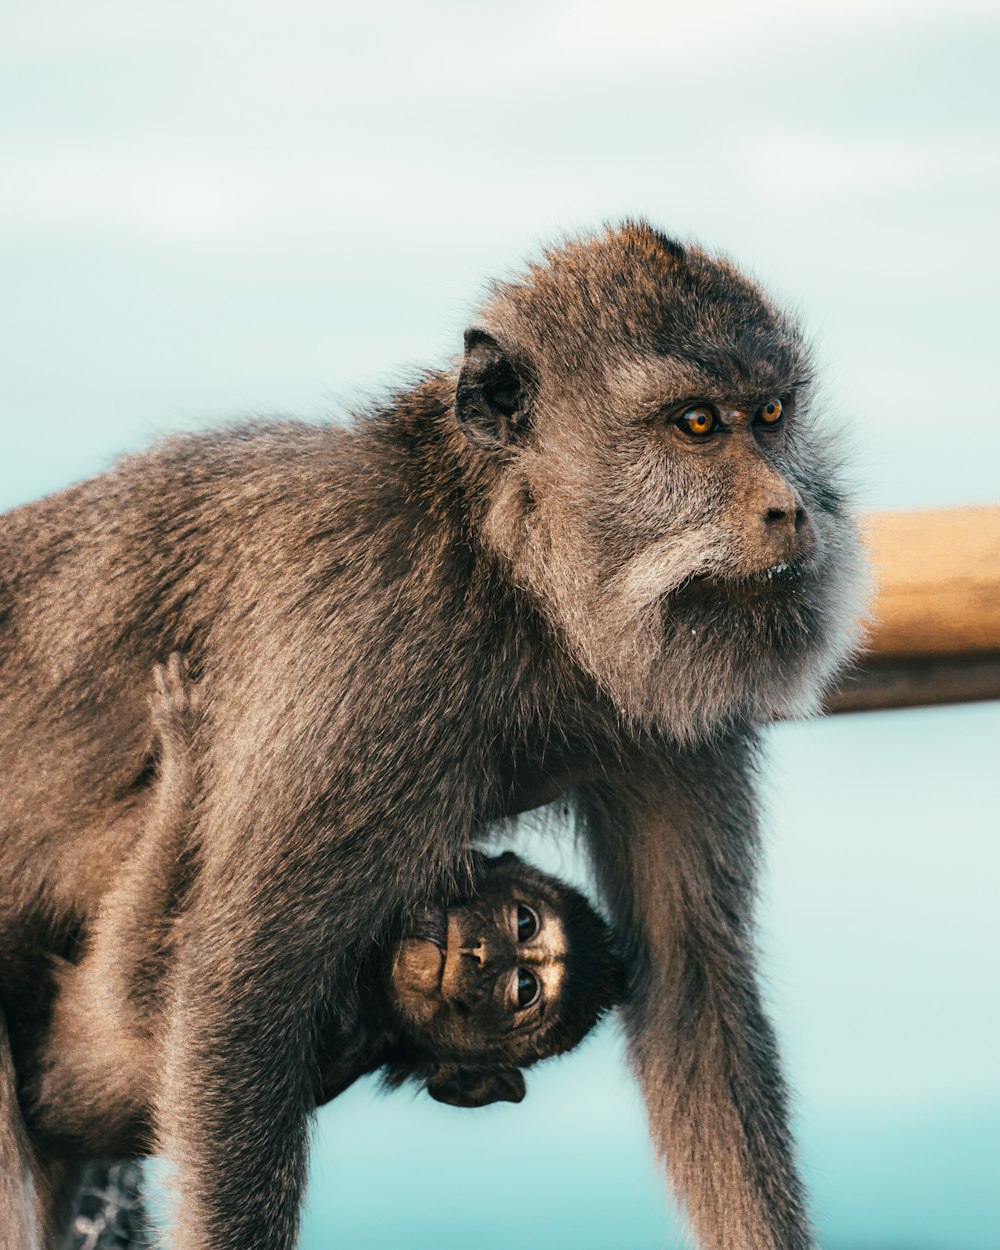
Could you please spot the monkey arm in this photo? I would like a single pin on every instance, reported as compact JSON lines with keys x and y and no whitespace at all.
{"x":103,"y":1046}
{"x":238,"y":1086}
{"x":135,"y":928}
{"x":275,"y":923}
{"x":262,"y":943}
{"x":257,"y":953}
{"x":675,"y":852}
{"x":119,"y":981}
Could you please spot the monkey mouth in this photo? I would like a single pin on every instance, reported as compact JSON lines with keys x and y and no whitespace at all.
{"x":779,"y":573}
{"x":778,"y":580}
{"x":429,"y":924}
{"x":783,"y":572}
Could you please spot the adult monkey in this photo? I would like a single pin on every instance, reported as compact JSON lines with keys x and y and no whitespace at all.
{"x":590,"y":558}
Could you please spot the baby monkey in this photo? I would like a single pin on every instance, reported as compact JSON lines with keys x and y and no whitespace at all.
{"x":469,"y":992}
{"x":478,"y":989}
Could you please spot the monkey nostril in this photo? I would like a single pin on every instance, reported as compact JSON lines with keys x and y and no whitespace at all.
{"x":800,"y":518}
{"x":477,"y":952}
{"x":774,"y":515}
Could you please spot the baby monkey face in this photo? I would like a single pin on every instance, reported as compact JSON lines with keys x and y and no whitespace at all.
{"x":486,"y":976}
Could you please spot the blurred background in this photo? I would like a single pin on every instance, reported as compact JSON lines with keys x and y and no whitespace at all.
{"x":211,"y":209}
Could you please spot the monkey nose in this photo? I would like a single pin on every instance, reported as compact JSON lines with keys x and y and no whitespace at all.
{"x":477,"y":952}
{"x":788,"y":528}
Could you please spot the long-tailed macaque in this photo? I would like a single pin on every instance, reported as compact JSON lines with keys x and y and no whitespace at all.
{"x":587,"y":559}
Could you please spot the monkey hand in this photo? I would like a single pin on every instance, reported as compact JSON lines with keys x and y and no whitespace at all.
{"x":174,"y":705}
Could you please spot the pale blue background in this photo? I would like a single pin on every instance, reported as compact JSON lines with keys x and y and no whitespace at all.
{"x":210,"y":209}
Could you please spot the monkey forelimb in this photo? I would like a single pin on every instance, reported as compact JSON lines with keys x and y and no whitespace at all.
{"x":683,"y":838}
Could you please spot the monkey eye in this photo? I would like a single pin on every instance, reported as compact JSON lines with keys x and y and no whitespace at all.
{"x":699,"y":422}
{"x":528,"y":988}
{"x":771,"y":413}
{"x":528,"y":923}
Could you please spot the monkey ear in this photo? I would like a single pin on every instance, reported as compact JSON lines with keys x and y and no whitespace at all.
{"x":493,"y":398}
{"x":469,"y":1087}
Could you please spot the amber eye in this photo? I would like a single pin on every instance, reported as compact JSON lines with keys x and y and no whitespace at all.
{"x":527,"y":923}
{"x":770,"y":414}
{"x":697,"y":422}
{"x":528,"y":988}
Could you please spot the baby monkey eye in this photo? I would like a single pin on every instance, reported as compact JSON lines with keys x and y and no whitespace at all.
{"x":528,"y":988}
{"x":771,"y":413}
{"x":527,"y":923}
{"x":697,"y":422}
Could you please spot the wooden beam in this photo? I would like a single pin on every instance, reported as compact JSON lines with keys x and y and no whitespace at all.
{"x":878,"y":684}
{"x":937,"y":581}
{"x":935,"y":628}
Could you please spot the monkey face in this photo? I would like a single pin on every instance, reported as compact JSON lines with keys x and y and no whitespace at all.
{"x":480,"y":979}
{"x":662,"y":489}
{"x":489,"y":980}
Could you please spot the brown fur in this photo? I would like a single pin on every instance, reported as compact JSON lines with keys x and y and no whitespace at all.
{"x":412,"y":1010}
{"x":435,"y":1005}
{"x":516,"y":579}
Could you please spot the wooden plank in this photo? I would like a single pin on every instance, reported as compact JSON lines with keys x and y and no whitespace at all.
{"x":878,"y":685}
{"x":935,"y":630}
{"x":937,"y":582}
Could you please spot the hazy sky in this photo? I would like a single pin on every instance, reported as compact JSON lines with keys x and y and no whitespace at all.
{"x":209,"y":209}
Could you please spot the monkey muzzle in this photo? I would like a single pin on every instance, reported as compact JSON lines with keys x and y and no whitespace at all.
{"x":428,"y":924}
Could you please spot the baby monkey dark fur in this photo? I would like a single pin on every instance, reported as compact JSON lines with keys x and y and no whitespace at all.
{"x":588,"y":559}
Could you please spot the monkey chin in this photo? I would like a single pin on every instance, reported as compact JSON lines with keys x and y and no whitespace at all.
{"x":724,"y":652}
{"x":417,"y":967}
{"x":763,"y":646}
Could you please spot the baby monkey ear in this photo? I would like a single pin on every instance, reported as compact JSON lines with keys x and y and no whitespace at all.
{"x":471,"y":1087}
{"x":493,"y":396}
